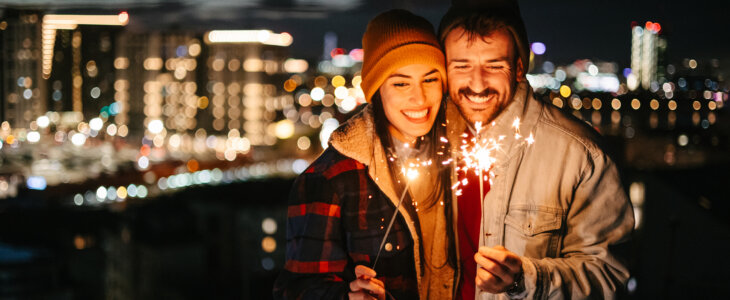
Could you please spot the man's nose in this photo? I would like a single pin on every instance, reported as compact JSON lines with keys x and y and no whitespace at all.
{"x":478,"y":80}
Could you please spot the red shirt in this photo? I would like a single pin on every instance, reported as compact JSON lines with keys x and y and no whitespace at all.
{"x":468,"y":224}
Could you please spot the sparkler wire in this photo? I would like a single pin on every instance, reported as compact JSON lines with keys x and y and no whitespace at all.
{"x":390,"y":225}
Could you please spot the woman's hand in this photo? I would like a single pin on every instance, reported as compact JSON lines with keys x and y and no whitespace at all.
{"x":366,"y":286}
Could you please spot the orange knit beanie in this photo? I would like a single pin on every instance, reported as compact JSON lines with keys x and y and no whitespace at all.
{"x":395,"y":39}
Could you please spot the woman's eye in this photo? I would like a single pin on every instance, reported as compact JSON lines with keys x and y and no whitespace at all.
{"x":435,"y":79}
{"x":400,"y":84}
{"x":495,"y":67}
{"x":461,"y":66}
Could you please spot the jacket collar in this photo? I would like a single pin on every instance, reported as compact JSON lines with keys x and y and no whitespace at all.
{"x":357,"y":139}
{"x":523,"y":106}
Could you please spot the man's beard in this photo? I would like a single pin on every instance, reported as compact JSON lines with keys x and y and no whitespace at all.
{"x":490,"y":112}
{"x":467,"y":91}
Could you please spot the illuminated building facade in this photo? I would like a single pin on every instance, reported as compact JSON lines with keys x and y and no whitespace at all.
{"x":82,"y":76}
{"x":22,"y":85}
{"x":245,"y":75}
{"x":646,"y":49}
{"x":156,"y":84}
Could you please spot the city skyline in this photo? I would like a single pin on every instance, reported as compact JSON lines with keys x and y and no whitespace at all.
{"x":154,"y":157}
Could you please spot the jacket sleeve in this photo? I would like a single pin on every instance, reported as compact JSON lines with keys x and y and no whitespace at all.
{"x":316,"y":257}
{"x":599,"y":222}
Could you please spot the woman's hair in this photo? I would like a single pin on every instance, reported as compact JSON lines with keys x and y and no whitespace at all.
{"x":438,"y":151}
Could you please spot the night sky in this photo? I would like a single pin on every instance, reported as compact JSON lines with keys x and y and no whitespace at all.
{"x":599,"y":30}
{"x":571,"y":29}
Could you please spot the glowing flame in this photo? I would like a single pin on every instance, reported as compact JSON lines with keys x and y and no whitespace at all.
{"x":479,"y":154}
{"x":411,"y":173}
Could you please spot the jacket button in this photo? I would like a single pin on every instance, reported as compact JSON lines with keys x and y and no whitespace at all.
{"x":388,"y":247}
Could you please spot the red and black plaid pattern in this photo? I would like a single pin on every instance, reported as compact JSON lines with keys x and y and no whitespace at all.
{"x":337,"y":217}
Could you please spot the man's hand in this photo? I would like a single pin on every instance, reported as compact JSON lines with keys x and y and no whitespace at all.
{"x":497,"y":270}
{"x":366,"y":286}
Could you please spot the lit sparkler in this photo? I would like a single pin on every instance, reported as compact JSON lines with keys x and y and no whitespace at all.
{"x":479,"y":155}
{"x":411,"y":174}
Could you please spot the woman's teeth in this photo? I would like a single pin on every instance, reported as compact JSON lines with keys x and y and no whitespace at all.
{"x":416,"y":114}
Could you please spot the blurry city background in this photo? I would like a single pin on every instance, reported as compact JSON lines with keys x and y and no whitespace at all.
{"x":147,"y":147}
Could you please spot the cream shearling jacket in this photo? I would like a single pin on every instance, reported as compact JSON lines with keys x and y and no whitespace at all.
{"x":357,"y":139}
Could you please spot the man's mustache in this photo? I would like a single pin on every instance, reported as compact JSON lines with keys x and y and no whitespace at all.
{"x":466,"y":91}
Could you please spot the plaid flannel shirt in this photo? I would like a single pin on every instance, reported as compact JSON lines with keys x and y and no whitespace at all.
{"x":337,"y":218}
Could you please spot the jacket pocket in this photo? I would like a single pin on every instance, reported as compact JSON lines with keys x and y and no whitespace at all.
{"x":533,"y":219}
{"x":533,"y":229}
{"x":367,"y":242}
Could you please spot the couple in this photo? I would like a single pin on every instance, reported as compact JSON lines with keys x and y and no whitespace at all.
{"x":552,"y":211}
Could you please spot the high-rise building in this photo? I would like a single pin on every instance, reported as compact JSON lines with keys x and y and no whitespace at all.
{"x":157,"y":81}
{"x":227,"y":86}
{"x":81,"y":78}
{"x":23,"y":91}
{"x":646,"y":47}
{"x":246,"y":70}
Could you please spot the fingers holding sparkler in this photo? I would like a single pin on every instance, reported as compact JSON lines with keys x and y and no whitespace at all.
{"x":366,"y":286}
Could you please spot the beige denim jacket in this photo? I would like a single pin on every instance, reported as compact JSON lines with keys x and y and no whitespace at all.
{"x":558,"y":203}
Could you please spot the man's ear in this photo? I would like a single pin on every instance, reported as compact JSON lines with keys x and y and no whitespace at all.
{"x":520,"y":74}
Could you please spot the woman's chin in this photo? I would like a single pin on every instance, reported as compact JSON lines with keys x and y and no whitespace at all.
{"x":413,"y":135}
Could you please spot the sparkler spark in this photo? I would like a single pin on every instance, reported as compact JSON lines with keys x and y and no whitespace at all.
{"x":411,"y":173}
{"x":530,"y":139}
{"x":479,"y":154}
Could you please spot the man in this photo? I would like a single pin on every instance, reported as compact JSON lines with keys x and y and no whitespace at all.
{"x":553,"y":209}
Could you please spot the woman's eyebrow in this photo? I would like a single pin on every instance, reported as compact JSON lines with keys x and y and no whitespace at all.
{"x":399,"y":75}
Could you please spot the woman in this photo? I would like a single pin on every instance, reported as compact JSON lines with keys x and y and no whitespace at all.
{"x":341,"y":205}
